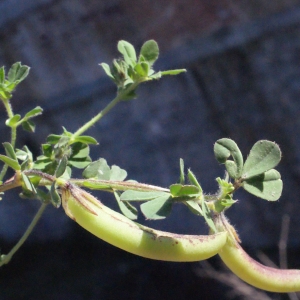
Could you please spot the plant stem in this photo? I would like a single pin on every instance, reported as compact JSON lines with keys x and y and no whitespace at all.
{"x":117,"y":185}
{"x":6,"y":258}
{"x":13,"y":137}
{"x":120,"y":96}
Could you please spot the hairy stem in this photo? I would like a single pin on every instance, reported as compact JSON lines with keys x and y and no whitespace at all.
{"x":120,"y":96}
{"x":6,"y":258}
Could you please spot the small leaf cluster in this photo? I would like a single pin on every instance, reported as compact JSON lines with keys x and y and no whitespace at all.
{"x":16,"y":74}
{"x":8,"y":83}
{"x":256,"y":175}
{"x":26,"y":121}
{"x":62,"y":151}
{"x":132,"y":69}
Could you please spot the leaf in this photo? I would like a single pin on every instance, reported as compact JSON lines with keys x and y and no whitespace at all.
{"x":128,"y":52}
{"x":9,"y":150}
{"x":47,"y":150}
{"x":10,"y":162}
{"x":131,"y":195}
{"x":41,"y":195}
{"x":106,"y":69}
{"x":172,"y":72}
{"x":86,"y":140}
{"x":207,"y":216}
{"x":150,"y":51}
{"x":28,"y":126}
{"x":11,"y":122}
{"x":100,"y":170}
{"x":181,"y":168}
{"x":117,"y":174}
{"x":263,"y":156}
{"x":267,"y":186}
{"x":179,"y":190}
{"x":126,"y":208}
{"x":4,"y":94}
{"x":22,"y":155}
{"x":193,"y":180}
{"x":2,"y":76}
{"x":63,"y":141}
{"x":10,"y":86}
{"x":42,"y":163}
{"x":53,"y":139}
{"x":28,"y":184}
{"x":17,"y":72}
{"x":194,"y":207}
{"x":34,"y":112}
{"x":157,"y":209}
{"x":79,"y":150}
{"x":223,"y":149}
{"x":55,"y":198}
{"x":61,"y":168}
{"x":142,"y":69}
{"x":97,"y":169}
{"x":79,"y":163}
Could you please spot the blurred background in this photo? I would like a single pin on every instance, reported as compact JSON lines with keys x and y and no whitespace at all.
{"x":243,"y":82}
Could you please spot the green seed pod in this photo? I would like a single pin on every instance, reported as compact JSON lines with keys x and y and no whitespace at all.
{"x":130,"y":236}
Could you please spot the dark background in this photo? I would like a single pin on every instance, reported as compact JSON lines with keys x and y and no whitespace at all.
{"x":243,"y":82}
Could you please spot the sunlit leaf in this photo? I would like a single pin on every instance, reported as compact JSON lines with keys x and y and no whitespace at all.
{"x":98,"y":169}
{"x":126,"y":208}
{"x":131,"y":195}
{"x":79,"y":150}
{"x":34,"y":112}
{"x":9,"y":150}
{"x":86,"y":140}
{"x":10,"y":162}
{"x":106,"y":69}
{"x":178,"y":190}
{"x":194,"y":207}
{"x":193,"y":180}
{"x":267,"y":186}
{"x":11,"y":122}
{"x":128,"y":52}
{"x":223,"y":149}
{"x":157,"y":209}
{"x":27,"y":183}
{"x":263,"y":156}
{"x":17,"y":72}
{"x":117,"y":174}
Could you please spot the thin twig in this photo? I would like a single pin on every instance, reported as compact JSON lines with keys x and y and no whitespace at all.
{"x":6,"y":258}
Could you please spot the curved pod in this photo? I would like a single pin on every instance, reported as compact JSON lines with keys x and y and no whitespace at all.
{"x":256,"y":274}
{"x":130,"y":236}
